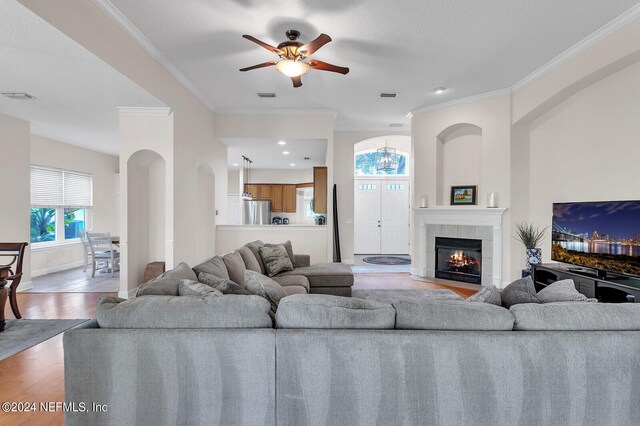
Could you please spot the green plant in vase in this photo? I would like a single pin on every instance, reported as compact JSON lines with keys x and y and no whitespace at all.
{"x":531,"y":236}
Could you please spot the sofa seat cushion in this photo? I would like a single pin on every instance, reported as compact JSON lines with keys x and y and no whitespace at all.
{"x":167,"y":283}
{"x":325,"y":274}
{"x":451,"y":315}
{"x":574,"y":316}
{"x":334,"y":312}
{"x":228,"y":311}
{"x":214,"y":266}
{"x":294,"y":289}
{"x":289,"y":280}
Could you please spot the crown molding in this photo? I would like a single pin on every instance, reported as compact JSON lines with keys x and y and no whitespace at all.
{"x":390,"y":131}
{"x":112,"y":12}
{"x":581,"y":46}
{"x":145,"y":111}
{"x":258,"y":111}
{"x":474,"y":98}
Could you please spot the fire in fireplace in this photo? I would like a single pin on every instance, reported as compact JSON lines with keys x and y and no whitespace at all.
{"x":459,"y":259}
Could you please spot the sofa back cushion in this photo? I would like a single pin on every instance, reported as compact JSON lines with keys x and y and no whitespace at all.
{"x":229,"y":311}
{"x":235,"y":267}
{"x":167,"y":283}
{"x":214,"y":266}
{"x":451,"y":315}
{"x":573,"y":316}
{"x":254,"y":246}
{"x":250,"y":261}
{"x":335,"y":312}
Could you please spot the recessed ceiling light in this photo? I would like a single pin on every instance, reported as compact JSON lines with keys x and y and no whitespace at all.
{"x":388,"y":95}
{"x":266,"y":95}
{"x":282,"y":143}
{"x":292,"y":164}
{"x":235,"y":164}
{"x":285,"y":152}
{"x":396,"y":125}
{"x":439,"y":90}
{"x":23,"y":96}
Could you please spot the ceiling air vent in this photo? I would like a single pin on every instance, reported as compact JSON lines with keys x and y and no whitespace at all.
{"x":388,"y":95}
{"x":266,"y":95}
{"x":396,"y":125}
{"x":18,"y":95}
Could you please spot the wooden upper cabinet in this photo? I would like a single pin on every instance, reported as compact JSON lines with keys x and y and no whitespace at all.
{"x":320,"y":190}
{"x":276,"y":198}
{"x":289,"y":198}
{"x":252,"y":189}
{"x":265,"y":192}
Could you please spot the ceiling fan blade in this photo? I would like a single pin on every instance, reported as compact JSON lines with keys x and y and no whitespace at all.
{"x":297,"y":81}
{"x":263,"y":44}
{"x":323,"y":66}
{"x":262,"y":65}
{"x":311,"y":47}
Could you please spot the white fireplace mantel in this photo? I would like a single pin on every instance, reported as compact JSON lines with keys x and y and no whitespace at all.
{"x":471,"y":216}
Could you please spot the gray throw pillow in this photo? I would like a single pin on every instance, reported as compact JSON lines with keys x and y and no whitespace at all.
{"x":487,"y":295}
{"x":289,"y":248}
{"x":214,"y":266}
{"x":249,"y":259}
{"x":519,"y":291}
{"x":263,"y":286}
{"x":275,"y":259}
{"x":167,"y":283}
{"x":254,"y":246}
{"x":562,"y":291}
{"x":224,"y":286}
{"x":196,"y":289}
{"x":235,"y":266}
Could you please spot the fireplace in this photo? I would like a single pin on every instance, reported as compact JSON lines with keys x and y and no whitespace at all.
{"x":459,"y":259}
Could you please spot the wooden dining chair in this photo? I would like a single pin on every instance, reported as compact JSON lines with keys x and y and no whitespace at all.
{"x":102,"y":252}
{"x":11,"y":256}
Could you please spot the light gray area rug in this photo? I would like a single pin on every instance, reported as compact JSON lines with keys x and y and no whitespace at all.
{"x":413,"y":294}
{"x":22,"y":334}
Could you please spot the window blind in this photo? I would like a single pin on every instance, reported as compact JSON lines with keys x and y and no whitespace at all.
{"x":60,"y":188}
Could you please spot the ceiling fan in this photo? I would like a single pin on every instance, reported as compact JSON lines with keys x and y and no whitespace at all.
{"x":292,"y":54}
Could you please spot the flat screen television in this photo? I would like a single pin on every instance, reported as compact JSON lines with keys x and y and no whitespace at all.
{"x":604,"y":236}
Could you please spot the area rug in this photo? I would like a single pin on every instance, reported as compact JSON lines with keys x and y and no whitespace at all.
{"x":22,"y":334}
{"x":387,"y":260}
{"x":412,"y":294}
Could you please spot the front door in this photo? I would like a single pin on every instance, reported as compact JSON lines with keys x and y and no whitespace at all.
{"x":366,"y":217}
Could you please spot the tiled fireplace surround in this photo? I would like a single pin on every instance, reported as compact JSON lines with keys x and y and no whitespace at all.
{"x":460,"y":222}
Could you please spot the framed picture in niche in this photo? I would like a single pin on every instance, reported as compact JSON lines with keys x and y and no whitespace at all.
{"x":464,"y":195}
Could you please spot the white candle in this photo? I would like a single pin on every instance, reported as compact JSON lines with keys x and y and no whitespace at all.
{"x":423,"y":200}
{"x":492,"y":200}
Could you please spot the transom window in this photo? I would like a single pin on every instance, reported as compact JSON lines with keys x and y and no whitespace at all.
{"x":61,"y":202}
{"x":365,"y":165}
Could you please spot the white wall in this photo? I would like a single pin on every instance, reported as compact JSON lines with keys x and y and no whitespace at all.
{"x":461,"y":153}
{"x":15,"y":135}
{"x":586,"y":148}
{"x":233,"y":182}
{"x":103,"y":168}
{"x":281,"y":176}
{"x":344,"y":142}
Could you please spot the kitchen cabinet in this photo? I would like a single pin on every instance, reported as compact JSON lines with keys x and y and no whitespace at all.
{"x":276,"y":198}
{"x":320,"y":190}
{"x":264,"y":192}
{"x":252,"y":189}
{"x":289,"y":198}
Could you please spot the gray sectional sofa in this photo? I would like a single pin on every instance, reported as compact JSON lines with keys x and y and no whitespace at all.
{"x":165,"y":360}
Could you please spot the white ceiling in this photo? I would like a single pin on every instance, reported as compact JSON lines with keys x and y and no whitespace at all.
{"x":267,"y":154}
{"x":77,"y":93}
{"x":412,"y":47}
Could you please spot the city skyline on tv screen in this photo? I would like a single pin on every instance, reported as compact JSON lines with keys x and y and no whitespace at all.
{"x":617,"y":220}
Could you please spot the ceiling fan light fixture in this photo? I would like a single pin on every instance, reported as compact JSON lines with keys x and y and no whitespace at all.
{"x":292,"y":68}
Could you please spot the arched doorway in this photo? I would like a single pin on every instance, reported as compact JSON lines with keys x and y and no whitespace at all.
{"x":382,"y":197}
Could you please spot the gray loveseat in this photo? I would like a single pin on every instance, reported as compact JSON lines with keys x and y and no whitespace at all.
{"x":164,"y":360}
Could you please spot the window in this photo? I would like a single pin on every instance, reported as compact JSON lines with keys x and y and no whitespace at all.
{"x":61,"y":202}
{"x":365,"y":165}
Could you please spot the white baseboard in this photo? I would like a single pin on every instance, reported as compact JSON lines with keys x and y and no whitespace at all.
{"x":127,"y":294}
{"x":27,"y":285}
{"x":348,"y":261}
{"x":57,"y":268}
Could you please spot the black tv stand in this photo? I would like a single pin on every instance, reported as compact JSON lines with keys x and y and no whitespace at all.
{"x":594,"y":284}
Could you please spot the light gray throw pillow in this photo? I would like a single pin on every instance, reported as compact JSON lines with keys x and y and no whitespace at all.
{"x":197,"y":289}
{"x":487,"y":295}
{"x":275,"y":259}
{"x":214,"y":266}
{"x":167,"y":283}
{"x":519,"y":291}
{"x":225,"y":286}
{"x":289,"y":248}
{"x":562,"y":291}
{"x":263,"y":286}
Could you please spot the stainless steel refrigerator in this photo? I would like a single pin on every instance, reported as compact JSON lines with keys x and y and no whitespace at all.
{"x":256,"y":212}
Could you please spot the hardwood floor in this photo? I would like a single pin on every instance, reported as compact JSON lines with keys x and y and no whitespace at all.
{"x":75,"y":281}
{"x":37,"y":374}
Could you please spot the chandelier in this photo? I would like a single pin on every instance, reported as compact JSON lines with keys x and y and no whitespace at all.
{"x":386,"y":159}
